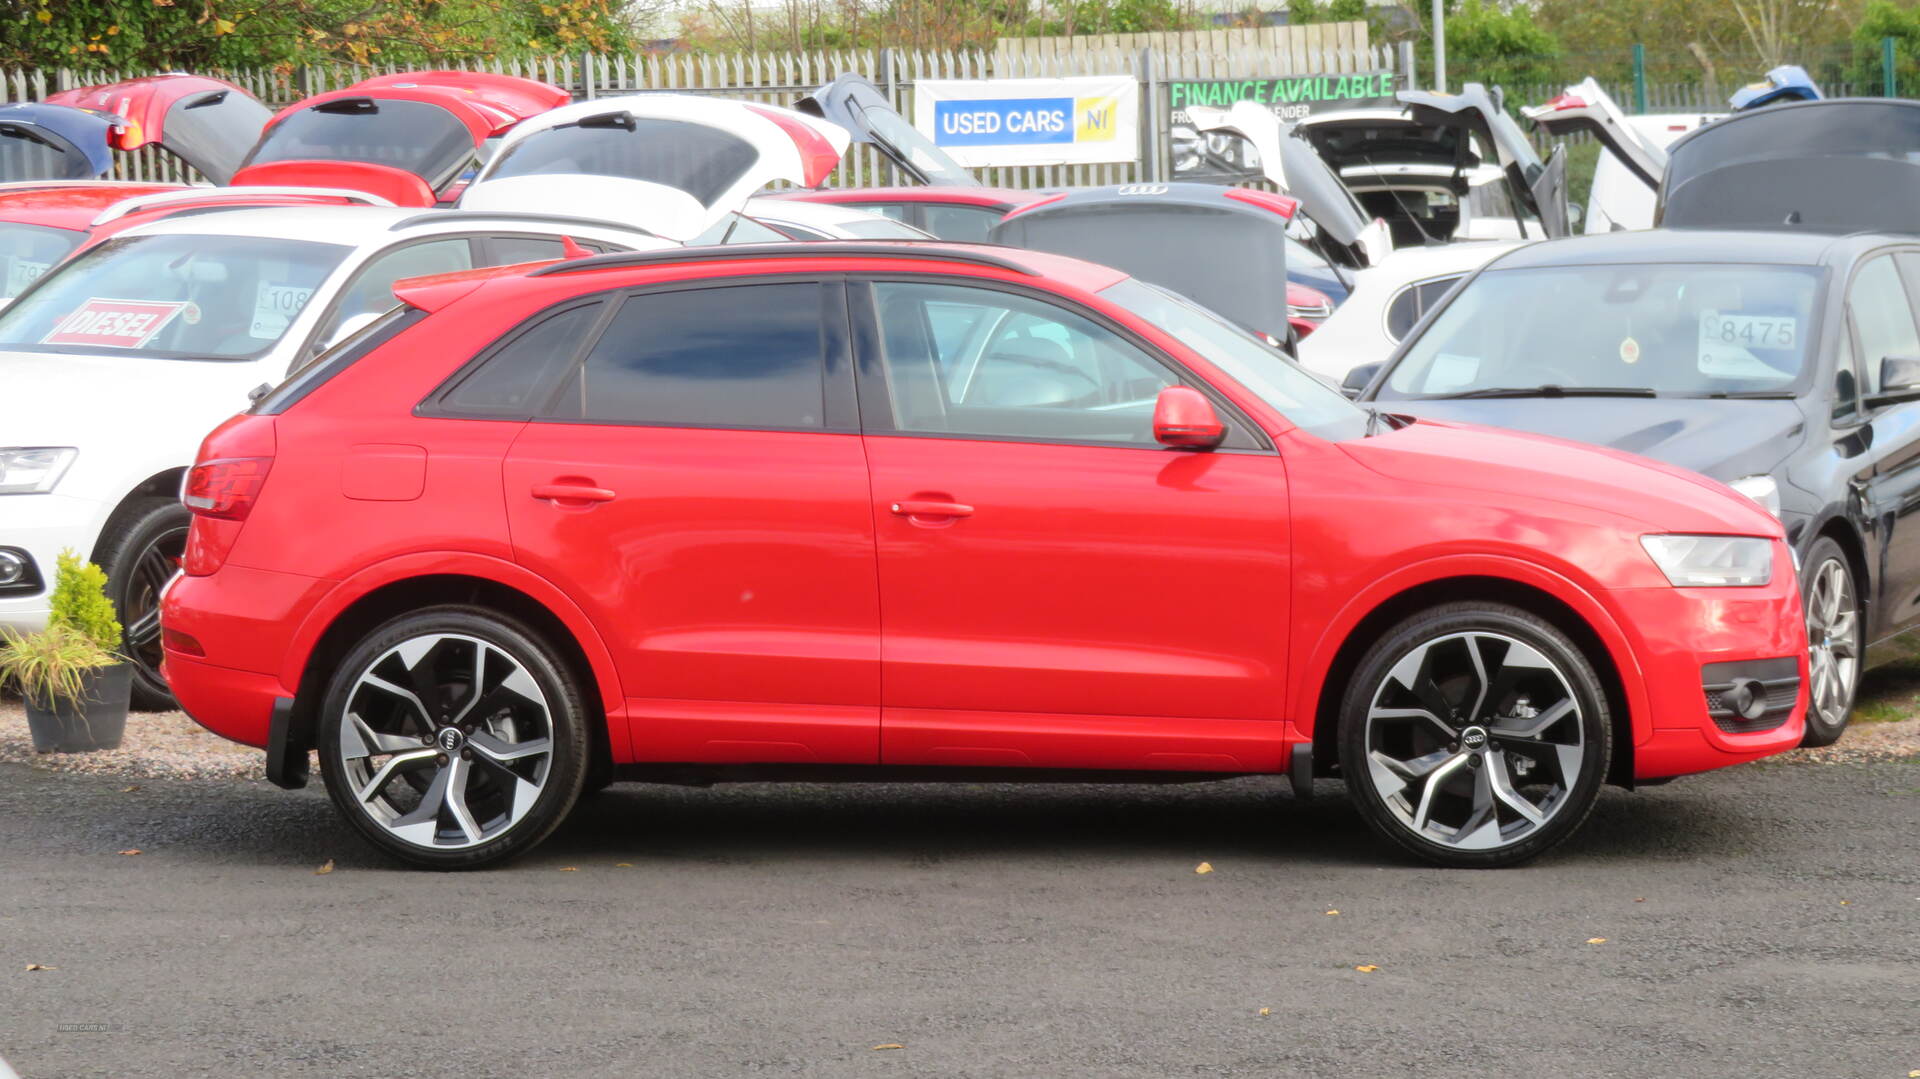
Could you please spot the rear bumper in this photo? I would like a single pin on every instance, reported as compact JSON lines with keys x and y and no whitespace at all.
{"x":1675,"y":634}
{"x":244,"y":621}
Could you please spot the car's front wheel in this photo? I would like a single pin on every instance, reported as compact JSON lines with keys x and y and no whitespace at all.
{"x":1475,"y":734}
{"x":140,"y":551}
{"x":453,"y":738}
{"x":1832,"y":603}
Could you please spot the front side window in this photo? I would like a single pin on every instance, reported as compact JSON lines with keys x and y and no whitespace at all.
{"x":371,"y":292}
{"x":1882,"y":317}
{"x":732,"y":356}
{"x":185,"y":297}
{"x":1671,"y":329}
{"x":972,"y":361}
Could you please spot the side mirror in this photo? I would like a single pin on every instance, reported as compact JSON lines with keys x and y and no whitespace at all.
{"x":1899,"y":375}
{"x":1183,"y":417}
{"x":1359,"y":379}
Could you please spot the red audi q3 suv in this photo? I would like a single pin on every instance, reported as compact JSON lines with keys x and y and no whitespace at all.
{"x":850,"y":510}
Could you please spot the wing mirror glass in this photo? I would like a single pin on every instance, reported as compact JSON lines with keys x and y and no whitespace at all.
{"x":1359,"y":379}
{"x":1900,"y":374}
{"x":1183,"y":417}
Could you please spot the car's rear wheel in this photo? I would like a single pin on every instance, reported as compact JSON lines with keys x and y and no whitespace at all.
{"x":140,"y":550}
{"x":1832,"y":604}
{"x":453,"y":738}
{"x":1475,"y":735}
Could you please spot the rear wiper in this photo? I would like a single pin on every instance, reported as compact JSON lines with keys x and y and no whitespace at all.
{"x":1549,"y":391}
{"x":1749,"y":395}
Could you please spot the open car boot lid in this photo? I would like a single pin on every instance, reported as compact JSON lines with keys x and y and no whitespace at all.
{"x":855,"y":103}
{"x":1586,"y":108}
{"x":672,"y":164}
{"x":1788,"y":82}
{"x":510,"y":97}
{"x":408,"y":144}
{"x":209,"y":124}
{"x":1294,"y":165}
{"x":1836,"y":166}
{"x":53,"y":142}
{"x":1476,"y":111}
{"x":1221,"y":247}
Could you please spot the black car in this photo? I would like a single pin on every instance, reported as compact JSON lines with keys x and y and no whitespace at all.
{"x":1785,"y":364}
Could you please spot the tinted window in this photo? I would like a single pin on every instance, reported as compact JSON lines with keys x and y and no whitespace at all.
{"x":700,"y":160}
{"x":1412,"y":302}
{"x":25,"y":154}
{"x":514,"y":380}
{"x":739,"y":356}
{"x":961,"y":224}
{"x":972,"y":361}
{"x":177,"y":296}
{"x":214,"y":131}
{"x":512,"y":250}
{"x":371,"y":292}
{"x":423,"y":139}
{"x":1882,"y":317}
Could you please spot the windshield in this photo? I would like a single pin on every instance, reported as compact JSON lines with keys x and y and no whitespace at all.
{"x":1681,"y":330}
{"x":172,"y":297}
{"x":919,"y":150}
{"x":1306,"y":401}
{"x":29,"y":251}
{"x":412,"y":136}
{"x":703,"y":161}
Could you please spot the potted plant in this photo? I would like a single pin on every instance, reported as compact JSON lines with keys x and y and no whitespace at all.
{"x":75,"y":683}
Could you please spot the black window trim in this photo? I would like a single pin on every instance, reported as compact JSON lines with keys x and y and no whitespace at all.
{"x":1243,"y":435}
{"x":304,"y":380}
{"x":839,"y":415}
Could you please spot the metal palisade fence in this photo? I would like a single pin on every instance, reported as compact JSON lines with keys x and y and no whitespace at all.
{"x":782,"y":77}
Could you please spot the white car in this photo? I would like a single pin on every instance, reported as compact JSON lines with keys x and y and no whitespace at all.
{"x":794,"y":220}
{"x":675,"y":164}
{"x":116,"y":363}
{"x":1387,"y":301}
{"x":1633,"y":156}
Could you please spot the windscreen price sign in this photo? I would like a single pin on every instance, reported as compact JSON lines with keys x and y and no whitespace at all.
{"x":1217,"y":156}
{"x":982,"y":122}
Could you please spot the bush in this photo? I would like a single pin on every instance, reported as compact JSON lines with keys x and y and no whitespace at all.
{"x":80,"y":602}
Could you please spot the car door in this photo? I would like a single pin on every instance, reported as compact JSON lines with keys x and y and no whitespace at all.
{"x":696,"y":483}
{"x":1057,"y":590}
{"x":1881,"y":310}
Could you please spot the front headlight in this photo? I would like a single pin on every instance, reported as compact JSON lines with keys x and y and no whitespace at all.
{"x":1711,"y":561}
{"x":1761,"y":489}
{"x":33,"y":470}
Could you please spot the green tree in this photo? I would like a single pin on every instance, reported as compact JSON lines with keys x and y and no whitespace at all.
{"x":1885,"y":19}
{"x":1499,"y":46}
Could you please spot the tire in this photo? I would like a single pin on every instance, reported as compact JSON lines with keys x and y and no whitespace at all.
{"x":469,"y":780}
{"x":1831,"y":597}
{"x":1465,"y":783}
{"x":140,"y":550}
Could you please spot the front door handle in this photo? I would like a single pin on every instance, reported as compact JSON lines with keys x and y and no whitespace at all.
{"x":932,"y":509}
{"x":567,"y":492}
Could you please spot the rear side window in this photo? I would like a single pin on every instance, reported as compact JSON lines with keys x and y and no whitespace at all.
{"x":734,"y":356}
{"x":961,"y":224}
{"x":514,"y":380}
{"x":1412,"y":302}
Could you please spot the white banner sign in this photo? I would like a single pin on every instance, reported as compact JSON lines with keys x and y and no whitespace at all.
{"x":1067,"y":121}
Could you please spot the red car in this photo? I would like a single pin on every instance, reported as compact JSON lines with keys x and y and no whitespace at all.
{"x":851,"y":510}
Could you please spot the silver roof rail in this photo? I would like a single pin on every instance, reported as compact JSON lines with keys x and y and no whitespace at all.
{"x":214,"y":194}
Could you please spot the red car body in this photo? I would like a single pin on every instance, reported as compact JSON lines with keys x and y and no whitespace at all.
{"x":757,"y":597}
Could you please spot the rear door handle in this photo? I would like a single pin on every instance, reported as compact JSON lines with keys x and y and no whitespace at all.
{"x":932,"y":509}
{"x":567,"y":492}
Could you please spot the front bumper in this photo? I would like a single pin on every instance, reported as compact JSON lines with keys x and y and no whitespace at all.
{"x":41,"y":526}
{"x":1676,"y":633}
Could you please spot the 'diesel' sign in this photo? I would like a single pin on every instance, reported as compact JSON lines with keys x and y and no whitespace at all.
{"x":1201,"y":156}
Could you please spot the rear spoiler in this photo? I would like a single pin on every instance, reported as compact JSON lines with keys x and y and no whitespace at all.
{"x":435,"y":291}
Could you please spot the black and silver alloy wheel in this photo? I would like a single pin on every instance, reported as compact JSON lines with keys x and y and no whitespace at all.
{"x":1833,"y":637}
{"x":451,"y":738}
{"x":141,"y":550}
{"x":1475,"y":735}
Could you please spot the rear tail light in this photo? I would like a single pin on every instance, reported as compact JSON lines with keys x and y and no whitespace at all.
{"x":1564,"y":102}
{"x":225,"y":488}
{"x":818,"y":158}
{"x":1267,"y":200}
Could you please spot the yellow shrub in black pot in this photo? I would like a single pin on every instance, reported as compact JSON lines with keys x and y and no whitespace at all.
{"x":75,"y":682}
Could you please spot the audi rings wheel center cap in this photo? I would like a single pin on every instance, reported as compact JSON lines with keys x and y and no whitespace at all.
{"x":450,"y":739}
{"x":1474,"y":738}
